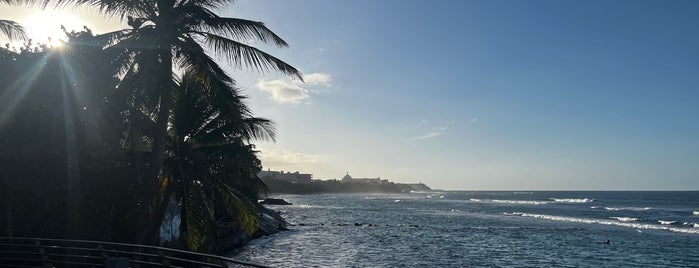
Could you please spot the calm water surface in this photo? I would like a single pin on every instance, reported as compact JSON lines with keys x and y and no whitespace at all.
{"x":465,"y":229}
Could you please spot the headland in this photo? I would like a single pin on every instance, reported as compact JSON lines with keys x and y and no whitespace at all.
{"x":303,"y":183}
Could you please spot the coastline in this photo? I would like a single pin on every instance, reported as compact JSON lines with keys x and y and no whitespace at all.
{"x":335,"y":186}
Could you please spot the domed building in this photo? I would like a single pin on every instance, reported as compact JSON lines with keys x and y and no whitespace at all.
{"x":348,"y":179}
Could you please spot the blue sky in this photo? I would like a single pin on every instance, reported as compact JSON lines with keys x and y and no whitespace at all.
{"x":499,"y":95}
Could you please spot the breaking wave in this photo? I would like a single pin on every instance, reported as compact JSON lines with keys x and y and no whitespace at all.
{"x":695,"y":213}
{"x":608,"y":222}
{"x":666,"y":222}
{"x":628,"y":208}
{"x":572,"y":200}
{"x":625,"y":219}
{"x":520,"y":202}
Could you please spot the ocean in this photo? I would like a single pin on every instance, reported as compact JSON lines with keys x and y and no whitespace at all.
{"x":484,"y":229}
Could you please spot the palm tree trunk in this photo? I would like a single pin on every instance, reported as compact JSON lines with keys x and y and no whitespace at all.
{"x":148,"y":233}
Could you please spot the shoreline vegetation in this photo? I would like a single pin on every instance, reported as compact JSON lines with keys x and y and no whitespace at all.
{"x":109,"y":136}
{"x":299,"y":183}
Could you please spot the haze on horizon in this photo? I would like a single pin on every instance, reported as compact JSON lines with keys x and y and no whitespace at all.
{"x":480,"y":95}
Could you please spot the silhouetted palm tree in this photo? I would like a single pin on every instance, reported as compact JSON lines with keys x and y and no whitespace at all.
{"x":167,"y":34}
{"x":211,"y":167}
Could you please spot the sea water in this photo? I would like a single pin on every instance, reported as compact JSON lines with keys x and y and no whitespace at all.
{"x":465,"y":229}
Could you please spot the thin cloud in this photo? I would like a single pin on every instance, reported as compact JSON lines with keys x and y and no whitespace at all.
{"x":285,"y":158}
{"x":318,"y":79}
{"x":435,"y":132}
{"x":285,"y":91}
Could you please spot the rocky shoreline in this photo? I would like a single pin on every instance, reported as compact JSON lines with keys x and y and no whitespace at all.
{"x":231,"y":238}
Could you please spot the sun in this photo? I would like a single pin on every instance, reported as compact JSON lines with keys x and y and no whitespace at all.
{"x":44,"y":26}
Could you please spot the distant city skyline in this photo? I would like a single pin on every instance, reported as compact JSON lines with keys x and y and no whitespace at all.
{"x":476,"y":95}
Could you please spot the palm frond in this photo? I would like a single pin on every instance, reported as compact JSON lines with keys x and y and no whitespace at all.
{"x":198,"y":210}
{"x":110,"y":8}
{"x":208,"y":3}
{"x":257,"y":128}
{"x":190,"y":112}
{"x":239,"y":29}
{"x":12,"y":30}
{"x":241,"y":209}
{"x":192,"y":57}
{"x":240,"y":54}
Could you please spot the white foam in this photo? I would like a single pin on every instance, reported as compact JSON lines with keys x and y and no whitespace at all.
{"x":695,"y":213}
{"x":593,"y":207}
{"x":397,"y":200}
{"x":696,"y":225}
{"x":609,"y":222}
{"x":519,"y":202}
{"x":522,"y":202}
{"x":628,"y":208}
{"x":666,"y":222}
{"x":625,"y":219}
{"x":572,"y":200}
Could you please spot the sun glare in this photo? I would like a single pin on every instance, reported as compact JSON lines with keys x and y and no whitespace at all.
{"x":44,"y":27}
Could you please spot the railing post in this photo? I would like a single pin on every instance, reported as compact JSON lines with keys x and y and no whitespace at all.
{"x":164,"y":261}
{"x":44,"y":257}
{"x":115,"y":262}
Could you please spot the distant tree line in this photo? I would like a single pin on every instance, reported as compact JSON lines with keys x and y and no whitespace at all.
{"x":101,"y":136}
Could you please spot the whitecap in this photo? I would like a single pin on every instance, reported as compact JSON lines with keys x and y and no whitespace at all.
{"x":625,"y":219}
{"x":594,"y":207}
{"x":666,"y":222}
{"x":695,"y":213}
{"x":572,"y":200}
{"x":628,"y":208}
{"x":441,"y":196}
{"x":397,"y":200}
{"x":609,"y":222}
{"x":518,"y":202}
{"x":521,"y":202}
{"x":696,"y":225}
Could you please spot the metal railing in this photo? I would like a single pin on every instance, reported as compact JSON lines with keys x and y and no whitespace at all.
{"x":40,"y":252}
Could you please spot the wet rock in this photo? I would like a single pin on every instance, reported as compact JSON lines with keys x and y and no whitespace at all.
{"x":274,"y":201}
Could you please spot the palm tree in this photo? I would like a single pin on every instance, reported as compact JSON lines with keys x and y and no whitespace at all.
{"x":167,"y":34}
{"x":211,"y":167}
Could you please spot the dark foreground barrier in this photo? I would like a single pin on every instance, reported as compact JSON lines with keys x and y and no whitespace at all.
{"x":39,"y":252}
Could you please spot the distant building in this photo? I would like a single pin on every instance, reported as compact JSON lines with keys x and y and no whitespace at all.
{"x":348,"y":179}
{"x":293,"y":177}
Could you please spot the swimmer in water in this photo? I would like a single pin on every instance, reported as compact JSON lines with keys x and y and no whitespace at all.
{"x":606,"y":241}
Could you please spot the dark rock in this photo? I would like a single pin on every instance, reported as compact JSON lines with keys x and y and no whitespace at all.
{"x":232,"y":237}
{"x":274,"y":201}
